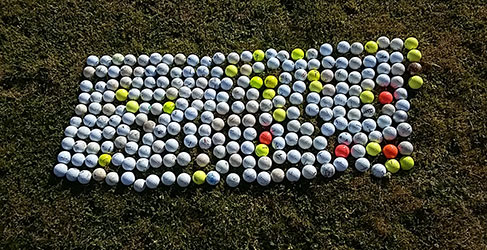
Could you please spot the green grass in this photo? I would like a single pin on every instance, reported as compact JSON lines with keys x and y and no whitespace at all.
{"x":442,"y":203}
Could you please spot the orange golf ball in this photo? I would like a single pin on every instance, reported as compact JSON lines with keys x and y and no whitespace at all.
{"x":390,"y":151}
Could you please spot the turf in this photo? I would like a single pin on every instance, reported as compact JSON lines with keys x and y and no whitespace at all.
{"x":441,"y":203}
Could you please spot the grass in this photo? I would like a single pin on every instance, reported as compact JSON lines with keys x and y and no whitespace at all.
{"x":442,"y":203}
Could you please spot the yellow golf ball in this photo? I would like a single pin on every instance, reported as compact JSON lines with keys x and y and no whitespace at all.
{"x":271,"y":81}
{"x":316,"y":86}
{"x":371,"y":47}
{"x":407,"y":162}
{"x":313,"y":75}
{"x":258,"y":55}
{"x":415,"y":82}
{"x":121,"y":94}
{"x":297,"y":54}
{"x":373,"y":148}
{"x":231,"y":71}
{"x":104,"y":160}
{"x":279,"y":115}
{"x":411,"y":43}
{"x":393,"y":165}
{"x":367,"y":96}
{"x":168,"y":107}
{"x":269,"y":94}
{"x":261,"y":150}
{"x":132,"y":106}
{"x":256,"y":82}
{"x":199,"y":177}
{"x":414,"y":55}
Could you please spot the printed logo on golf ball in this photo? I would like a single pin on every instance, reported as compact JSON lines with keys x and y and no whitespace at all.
{"x":261,"y":116}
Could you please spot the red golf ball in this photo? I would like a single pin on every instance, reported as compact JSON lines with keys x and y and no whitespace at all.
{"x":385,"y":97}
{"x":342,"y":151}
{"x":265,"y":137}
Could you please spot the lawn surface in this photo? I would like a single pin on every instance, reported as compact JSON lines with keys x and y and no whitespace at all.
{"x":442,"y":203}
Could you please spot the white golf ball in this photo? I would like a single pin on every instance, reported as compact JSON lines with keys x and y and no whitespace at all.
{"x":99,"y":174}
{"x":278,"y":143}
{"x":400,"y":116}
{"x":155,"y":161}
{"x":396,"y":44}
{"x":78,"y":159}
{"x":282,"y":55}
{"x":383,"y":42}
{"x":293,"y":156}
{"x":376,"y":136}
{"x":362,"y":164}
{"x":356,"y":48}
{"x":249,"y":175}
{"x":264,"y":163}
{"x":341,"y":164}
{"x":279,"y":156}
{"x":323,"y":157}
{"x":60,"y":170}
{"x":72,"y":174}
{"x":326,"y":49}
{"x":369,"y":61}
{"x":249,"y":161}
{"x":309,"y":172}
{"x":127,"y":178}
{"x":277,"y":175}
{"x":405,"y":148}
{"x":184,"y":180}
{"x":291,"y":139}
{"x":168,"y":178}
{"x":293,"y":174}
{"x":172,"y":145}
{"x":112,"y":179}
{"x":341,"y":62}
{"x":129,"y":163}
{"x":152,"y":181}
{"x":264,"y":178}
{"x":389,"y":133}
{"x":139,"y":185}
{"x":64,"y":157}
{"x":320,"y":143}
{"x":232,"y":180}
{"x":206,"y":61}
{"x":247,"y":147}
{"x":277,"y":129}
{"x":357,"y":151}
{"x":378,"y":170}
{"x":327,"y":170}
{"x":305,"y":142}
{"x":308,"y":158}
{"x":183,"y":159}
{"x":232,"y":58}
{"x":360,"y":138}
{"x":142,"y":164}
{"x":235,"y":160}
{"x":222,"y":166}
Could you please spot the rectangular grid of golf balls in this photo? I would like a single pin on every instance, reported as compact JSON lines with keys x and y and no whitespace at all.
{"x":262,"y":116}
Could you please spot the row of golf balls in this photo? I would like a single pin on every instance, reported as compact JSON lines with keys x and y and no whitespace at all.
{"x":273,"y":57}
{"x":168,"y":178}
